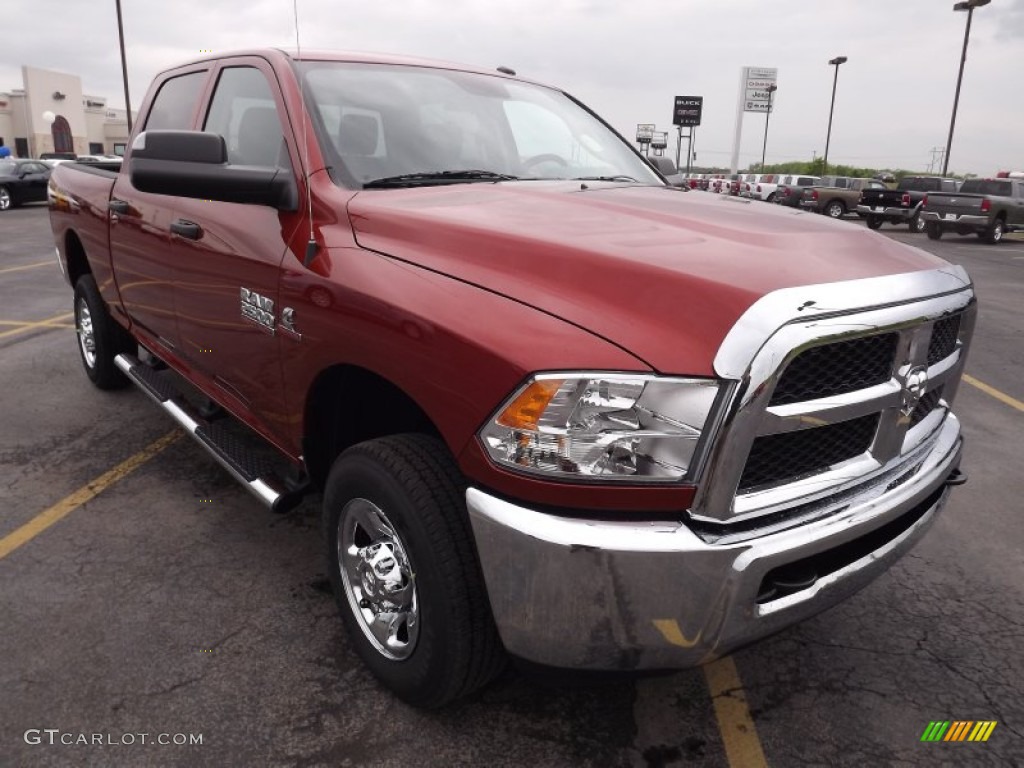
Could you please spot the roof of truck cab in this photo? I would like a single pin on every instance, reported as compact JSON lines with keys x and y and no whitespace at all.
{"x":361,"y":57}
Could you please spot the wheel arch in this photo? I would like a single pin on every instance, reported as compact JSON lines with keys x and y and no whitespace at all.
{"x":348,"y":404}
{"x":75,"y":258}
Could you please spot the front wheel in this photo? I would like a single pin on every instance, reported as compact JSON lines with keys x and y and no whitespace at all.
{"x":934,"y":230}
{"x":404,"y":569}
{"x":100,"y":338}
{"x":874,"y":222}
{"x":5,"y":199}
{"x":916,"y":224}
{"x":835,"y":209}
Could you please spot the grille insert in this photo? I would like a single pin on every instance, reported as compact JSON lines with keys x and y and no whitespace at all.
{"x":926,"y":405}
{"x":784,"y":457}
{"x":944,"y":335}
{"x":838,"y":368}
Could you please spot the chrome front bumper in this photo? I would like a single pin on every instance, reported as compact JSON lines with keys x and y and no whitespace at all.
{"x":598,"y":595}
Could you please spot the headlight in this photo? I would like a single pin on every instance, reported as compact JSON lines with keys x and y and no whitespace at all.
{"x":608,"y":427}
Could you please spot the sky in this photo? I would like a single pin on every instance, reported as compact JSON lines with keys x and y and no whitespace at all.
{"x":626,"y":61}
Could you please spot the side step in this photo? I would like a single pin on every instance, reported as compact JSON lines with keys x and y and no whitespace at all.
{"x":233,"y":452}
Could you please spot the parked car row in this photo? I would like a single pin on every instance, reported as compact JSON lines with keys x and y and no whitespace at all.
{"x":988,"y":208}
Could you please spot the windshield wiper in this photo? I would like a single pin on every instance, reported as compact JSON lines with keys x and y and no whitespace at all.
{"x":621,"y":177}
{"x":437,"y":177}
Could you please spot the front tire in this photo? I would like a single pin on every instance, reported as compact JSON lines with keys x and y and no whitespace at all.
{"x":6,"y":201}
{"x":835,"y":209}
{"x":100,"y":338}
{"x":916,"y":224}
{"x":404,"y":569}
{"x":934,"y":230}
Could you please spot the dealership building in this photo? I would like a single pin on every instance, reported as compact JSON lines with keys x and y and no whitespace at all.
{"x":49,"y":113}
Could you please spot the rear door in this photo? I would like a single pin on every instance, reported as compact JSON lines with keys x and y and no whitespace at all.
{"x":143,"y":253}
{"x":229,"y":255}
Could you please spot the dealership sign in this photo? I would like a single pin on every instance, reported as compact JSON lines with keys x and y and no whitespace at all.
{"x":644,"y":133}
{"x":686,"y":110}
{"x":756,"y":95}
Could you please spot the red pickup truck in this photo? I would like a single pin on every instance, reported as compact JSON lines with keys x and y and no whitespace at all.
{"x":557,"y":410}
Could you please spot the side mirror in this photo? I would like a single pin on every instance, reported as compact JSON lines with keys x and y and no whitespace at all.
{"x":195,"y":164}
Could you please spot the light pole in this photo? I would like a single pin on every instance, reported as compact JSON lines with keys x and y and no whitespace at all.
{"x":969,"y":6}
{"x":124,"y":68}
{"x":764,"y":147}
{"x":828,"y":137}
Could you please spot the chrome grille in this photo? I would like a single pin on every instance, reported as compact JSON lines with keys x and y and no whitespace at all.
{"x":780,"y":458}
{"x":828,"y":391}
{"x":835,"y":369}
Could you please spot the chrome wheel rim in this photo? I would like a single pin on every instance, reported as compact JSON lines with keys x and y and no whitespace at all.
{"x":5,"y":199}
{"x":997,"y":232}
{"x":918,"y":224}
{"x":378,"y":579}
{"x":835,"y":211}
{"x":86,"y":335}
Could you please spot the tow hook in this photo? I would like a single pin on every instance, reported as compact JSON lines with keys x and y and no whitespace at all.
{"x":956,"y":477}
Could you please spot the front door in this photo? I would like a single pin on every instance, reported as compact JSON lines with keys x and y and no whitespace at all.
{"x":228,"y":255}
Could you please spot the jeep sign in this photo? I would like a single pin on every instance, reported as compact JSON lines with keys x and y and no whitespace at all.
{"x":686,"y":110}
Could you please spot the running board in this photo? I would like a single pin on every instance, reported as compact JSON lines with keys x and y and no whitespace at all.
{"x":232,"y":452}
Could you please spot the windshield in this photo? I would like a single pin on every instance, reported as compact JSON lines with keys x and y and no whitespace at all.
{"x":378,"y":122}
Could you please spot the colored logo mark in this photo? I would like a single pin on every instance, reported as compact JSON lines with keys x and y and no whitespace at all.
{"x":958,"y":730}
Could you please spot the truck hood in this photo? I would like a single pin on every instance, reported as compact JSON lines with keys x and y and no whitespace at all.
{"x":664,"y":274}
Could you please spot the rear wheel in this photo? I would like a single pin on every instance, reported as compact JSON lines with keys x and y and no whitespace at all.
{"x":771,"y":198}
{"x":874,"y":222}
{"x":100,"y":338}
{"x":836,"y":209}
{"x":934,"y":230}
{"x":994,"y":233}
{"x":5,"y":199}
{"x":405,"y":572}
{"x":916,"y":224}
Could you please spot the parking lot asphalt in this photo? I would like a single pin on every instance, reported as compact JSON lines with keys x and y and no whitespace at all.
{"x":161,"y":600}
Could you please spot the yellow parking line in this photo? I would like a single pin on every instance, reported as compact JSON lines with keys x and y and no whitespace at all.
{"x":742,"y":746}
{"x":41,"y":323}
{"x":48,"y":322}
{"x":26,"y":266}
{"x":990,"y":390}
{"x":87,"y":492}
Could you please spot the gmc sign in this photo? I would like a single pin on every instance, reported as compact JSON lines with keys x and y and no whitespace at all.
{"x":686,"y":110}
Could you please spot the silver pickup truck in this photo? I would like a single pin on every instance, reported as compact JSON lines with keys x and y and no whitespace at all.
{"x":988,"y":208}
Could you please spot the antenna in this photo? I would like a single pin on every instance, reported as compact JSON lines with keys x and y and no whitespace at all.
{"x":311,"y":246}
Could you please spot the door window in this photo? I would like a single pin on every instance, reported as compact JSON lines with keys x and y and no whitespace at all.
{"x":244,"y":113}
{"x":175,"y":103}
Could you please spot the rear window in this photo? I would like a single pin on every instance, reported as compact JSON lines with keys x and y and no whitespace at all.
{"x":987,"y":187}
{"x":912,"y":184}
{"x":806,"y":181}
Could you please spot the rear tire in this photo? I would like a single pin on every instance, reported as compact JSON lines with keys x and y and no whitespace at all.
{"x":412,"y":488}
{"x":835,"y":210}
{"x":100,"y":338}
{"x":994,"y":233}
{"x":874,"y":222}
{"x":934,"y":230}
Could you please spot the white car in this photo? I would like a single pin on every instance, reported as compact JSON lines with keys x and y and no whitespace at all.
{"x":765,"y":186}
{"x":747,"y":182}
